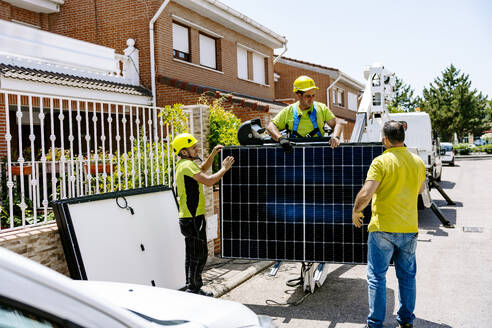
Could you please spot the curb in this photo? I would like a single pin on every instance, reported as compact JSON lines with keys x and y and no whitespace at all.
{"x":472,"y":157}
{"x":223,"y":288}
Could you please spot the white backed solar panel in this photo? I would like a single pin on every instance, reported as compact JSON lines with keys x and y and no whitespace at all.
{"x":112,"y":244}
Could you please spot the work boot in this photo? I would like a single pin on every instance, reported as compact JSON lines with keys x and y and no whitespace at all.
{"x":205,"y":293}
{"x":406,"y":325}
{"x":200,"y":292}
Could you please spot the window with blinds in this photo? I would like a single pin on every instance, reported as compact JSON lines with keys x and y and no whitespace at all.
{"x":181,"y":42}
{"x":242,"y":63}
{"x":208,"y":53}
{"x":259,"y":70}
{"x":352,"y":101}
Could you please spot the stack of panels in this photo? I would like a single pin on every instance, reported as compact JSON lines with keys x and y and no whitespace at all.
{"x":295,"y":206}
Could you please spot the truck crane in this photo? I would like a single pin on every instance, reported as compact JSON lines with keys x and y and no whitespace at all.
{"x":373,"y":113}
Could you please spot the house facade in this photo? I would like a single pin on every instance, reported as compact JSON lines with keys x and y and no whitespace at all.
{"x":336,"y":89}
{"x":198,"y":45}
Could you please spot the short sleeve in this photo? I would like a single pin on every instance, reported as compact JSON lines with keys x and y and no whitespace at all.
{"x":280,"y":120}
{"x":191,"y":168}
{"x":423,"y":168}
{"x":375,"y":172}
{"x":327,"y":114}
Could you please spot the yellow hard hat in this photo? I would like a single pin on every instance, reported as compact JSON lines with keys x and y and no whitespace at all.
{"x":183,"y":140}
{"x":304,"y":83}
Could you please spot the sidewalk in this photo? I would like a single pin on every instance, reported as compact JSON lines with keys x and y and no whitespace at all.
{"x":222,"y":275}
{"x":473,"y":156}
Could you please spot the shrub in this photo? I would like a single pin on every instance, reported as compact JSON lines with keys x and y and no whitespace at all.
{"x":223,"y":126}
{"x":462,"y":149}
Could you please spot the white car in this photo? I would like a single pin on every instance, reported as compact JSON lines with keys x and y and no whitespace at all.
{"x":32,"y":295}
{"x":447,"y":153}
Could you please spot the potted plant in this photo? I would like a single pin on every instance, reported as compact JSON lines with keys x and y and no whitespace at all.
{"x":100,"y":167}
{"x":26,"y":167}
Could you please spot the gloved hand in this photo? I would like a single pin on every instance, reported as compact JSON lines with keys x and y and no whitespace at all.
{"x":286,"y":145}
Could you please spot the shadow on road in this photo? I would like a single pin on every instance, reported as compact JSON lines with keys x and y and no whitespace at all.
{"x":429,"y":221}
{"x":444,"y":203}
{"x":339,"y":300}
{"x":447,"y":184}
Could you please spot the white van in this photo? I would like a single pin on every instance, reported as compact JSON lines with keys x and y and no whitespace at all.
{"x":418,"y":138}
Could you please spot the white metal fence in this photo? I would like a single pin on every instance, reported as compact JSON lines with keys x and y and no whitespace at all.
{"x":59,"y":148}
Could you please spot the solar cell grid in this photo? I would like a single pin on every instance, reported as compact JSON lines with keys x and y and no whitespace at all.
{"x":295,"y":206}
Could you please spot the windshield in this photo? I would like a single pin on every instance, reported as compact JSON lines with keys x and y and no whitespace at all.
{"x":447,"y":147}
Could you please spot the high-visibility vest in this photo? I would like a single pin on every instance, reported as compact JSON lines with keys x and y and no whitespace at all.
{"x":297,"y":119}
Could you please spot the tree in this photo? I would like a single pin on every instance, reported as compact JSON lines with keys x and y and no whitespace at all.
{"x":453,"y":106}
{"x":403,"y":99}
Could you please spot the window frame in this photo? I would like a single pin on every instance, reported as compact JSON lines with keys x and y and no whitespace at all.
{"x":250,"y":55}
{"x":178,"y":54}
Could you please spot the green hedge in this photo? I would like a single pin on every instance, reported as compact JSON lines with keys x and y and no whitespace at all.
{"x":462,"y":148}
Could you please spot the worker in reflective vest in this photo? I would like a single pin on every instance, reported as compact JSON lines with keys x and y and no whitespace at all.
{"x":189,"y":178}
{"x":305,"y":118}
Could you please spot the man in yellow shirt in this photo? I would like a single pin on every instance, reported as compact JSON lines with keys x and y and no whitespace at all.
{"x":189,"y":179}
{"x":305,"y":118}
{"x":393,"y":181}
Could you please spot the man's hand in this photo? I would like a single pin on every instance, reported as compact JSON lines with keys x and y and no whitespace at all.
{"x":217,"y":149}
{"x":334,"y":142}
{"x":357,"y":219}
{"x":227,"y":162}
{"x":286,"y":145}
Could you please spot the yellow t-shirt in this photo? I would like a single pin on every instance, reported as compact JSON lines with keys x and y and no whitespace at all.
{"x":285,"y":119}
{"x":394,"y":205}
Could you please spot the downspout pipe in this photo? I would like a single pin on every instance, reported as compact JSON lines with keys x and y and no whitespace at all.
{"x":281,"y":54}
{"x":334,"y":82}
{"x":152,"y":63}
{"x":152,"y":51}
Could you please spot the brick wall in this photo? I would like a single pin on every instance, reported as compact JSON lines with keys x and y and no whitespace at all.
{"x":168,"y":95}
{"x":9,"y":12}
{"x":41,"y":244}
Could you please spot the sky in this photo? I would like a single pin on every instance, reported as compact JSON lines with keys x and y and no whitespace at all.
{"x":415,"y":39}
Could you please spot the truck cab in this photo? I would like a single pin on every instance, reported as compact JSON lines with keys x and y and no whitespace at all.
{"x":419,"y":140}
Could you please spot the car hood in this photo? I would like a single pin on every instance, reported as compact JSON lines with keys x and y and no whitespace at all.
{"x":165,"y":304}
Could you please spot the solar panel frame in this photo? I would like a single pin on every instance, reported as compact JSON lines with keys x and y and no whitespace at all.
{"x":274,"y":190}
{"x":103,"y":240}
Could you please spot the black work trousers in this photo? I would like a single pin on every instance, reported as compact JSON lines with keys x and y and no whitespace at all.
{"x":194,"y":231}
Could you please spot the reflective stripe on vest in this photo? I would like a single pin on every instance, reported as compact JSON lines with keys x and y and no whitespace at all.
{"x":297,"y":119}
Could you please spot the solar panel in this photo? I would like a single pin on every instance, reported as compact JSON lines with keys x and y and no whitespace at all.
{"x":295,"y":206}
{"x":103,"y":239}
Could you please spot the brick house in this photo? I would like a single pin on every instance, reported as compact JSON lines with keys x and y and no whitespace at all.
{"x":336,"y":89}
{"x":65,"y":86}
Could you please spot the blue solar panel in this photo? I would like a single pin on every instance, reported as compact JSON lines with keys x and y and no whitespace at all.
{"x":295,"y":206}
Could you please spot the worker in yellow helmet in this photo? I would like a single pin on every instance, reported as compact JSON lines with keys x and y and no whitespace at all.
{"x":304,"y":118}
{"x":189,"y":179}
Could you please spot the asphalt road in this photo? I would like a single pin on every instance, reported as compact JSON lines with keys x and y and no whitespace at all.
{"x":454,"y":279}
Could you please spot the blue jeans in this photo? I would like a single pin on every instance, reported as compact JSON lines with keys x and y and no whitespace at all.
{"x":382,"y":247}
